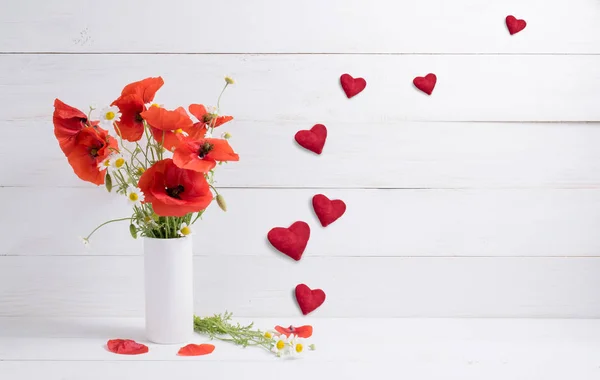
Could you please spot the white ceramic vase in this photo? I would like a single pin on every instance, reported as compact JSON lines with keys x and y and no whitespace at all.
{"x":168,"y":282}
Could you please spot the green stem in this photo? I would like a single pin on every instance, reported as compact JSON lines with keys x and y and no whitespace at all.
{"x":105,"y":223}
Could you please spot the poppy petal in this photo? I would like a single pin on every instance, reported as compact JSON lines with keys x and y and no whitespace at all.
{"x":167,"y":120}
{"x":144,"y":89}
{"x":126,"y":347}
{"x":68,"y":122}
{"x":130,"y":127}
{"x":222,"y":120}
{"x":196,"y":350}
{"x":301,"y":332}
{"x":222,"y":151}
{"x":198,"y":110}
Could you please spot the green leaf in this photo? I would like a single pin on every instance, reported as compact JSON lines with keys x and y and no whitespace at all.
{"x":133,"y":231}
{"x":108,"y":182}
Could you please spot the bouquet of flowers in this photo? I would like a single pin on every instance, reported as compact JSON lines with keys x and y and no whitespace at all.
{"x":160,"y":160}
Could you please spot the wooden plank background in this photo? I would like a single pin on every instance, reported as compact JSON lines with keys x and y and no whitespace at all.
{"x":482,"y":200}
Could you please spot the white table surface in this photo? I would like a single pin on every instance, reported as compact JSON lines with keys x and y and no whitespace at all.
{"x":71,"y":348}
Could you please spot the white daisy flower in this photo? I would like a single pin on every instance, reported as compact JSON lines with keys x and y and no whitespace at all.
{"x":117,"y":162}
{"x":280,"y":345}
{"x":297,"y":345}
{"x":135,"y":197}
{"x":109,"y":115}
{"x":85,"y":241}
{"x":181,"y":132}
{"x":104,"y":164}
{"x":185,"y":230}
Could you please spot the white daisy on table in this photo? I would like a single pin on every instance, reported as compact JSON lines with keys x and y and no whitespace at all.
{"x":109,"y":115}
{"x":185,"y":230}
{"x":297,"y":345}
{"x":280,"y":345}
{"x":135,"y":197}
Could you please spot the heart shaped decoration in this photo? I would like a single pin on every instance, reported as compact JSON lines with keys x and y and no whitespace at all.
{"x":515,"y":25}
{"x":309,"y":299}
{"x":426,"y":83}
{"x":352,"y":86}
{"x":290,"y":241}
{"x":313,"y":139}
{"x":328,"y":211}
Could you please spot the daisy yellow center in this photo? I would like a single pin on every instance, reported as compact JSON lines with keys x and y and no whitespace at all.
{"x":185,"y":230}
{"x":179,"y":130}
{"x":106,"y":163}
{"x":141,"y":171}
{"x":119,"y":162}
{"x":299,"y":347}
{"x":110,"y":115}
{"x":268,"y":335}
{"x":155,"y":105}
{"x":280,"y":345}
{"x":133,"y":196}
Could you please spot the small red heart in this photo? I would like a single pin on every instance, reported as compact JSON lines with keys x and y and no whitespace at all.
{"x":328,"y":211}
{"x":290,"y":241}
{"x":426,"y":83}
{"x":351,"y":85}
{"x":313,"y":139}
{"x":308,"y":299}
{"x":514,"y":25}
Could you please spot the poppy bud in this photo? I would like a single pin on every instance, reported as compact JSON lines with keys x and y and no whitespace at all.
{"x":133,"y":231}
{"x":108,"y":182}
{"x":226,"y":135}
{"x":221,"y":202}
{"x":229,"y":80}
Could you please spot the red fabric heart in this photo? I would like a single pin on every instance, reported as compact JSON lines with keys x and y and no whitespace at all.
{"x":328,"y":211}
{"x":196,"y":350}
{"x":313,"y":139}
{"x":126,"y":347}
{"x":426,"y":83}
{"x":352,"y":86}
{"x":290,"y":241}
{"x":308,"y":299}
{"x":514,"y":25}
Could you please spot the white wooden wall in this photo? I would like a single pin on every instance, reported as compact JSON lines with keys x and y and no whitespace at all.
{"x":482,"y":200}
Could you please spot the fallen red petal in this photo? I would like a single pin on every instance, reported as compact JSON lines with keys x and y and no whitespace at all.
{"x":126,"y":347}
{"x":196,"y":350}
{"x":300,"y":332}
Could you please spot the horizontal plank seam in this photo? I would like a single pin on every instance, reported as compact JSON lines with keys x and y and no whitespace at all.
{"x":332,"y":256}
{"x":289,"y":53}
{"x":374,"y":188}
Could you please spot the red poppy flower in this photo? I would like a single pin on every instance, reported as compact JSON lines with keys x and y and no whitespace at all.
{"x":167,"y":125}
{"x":68,"y":122}
{"x":196,"y":350}
{"x":92,"y":146}
{"x":205,"y":119}
{"x":132,"y":103}
{"x":126,"y":347}
{"x":82,"y":141}
{"x":300,"y":332}
{"x":174,"y":191}
{"x":202,"y":155}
